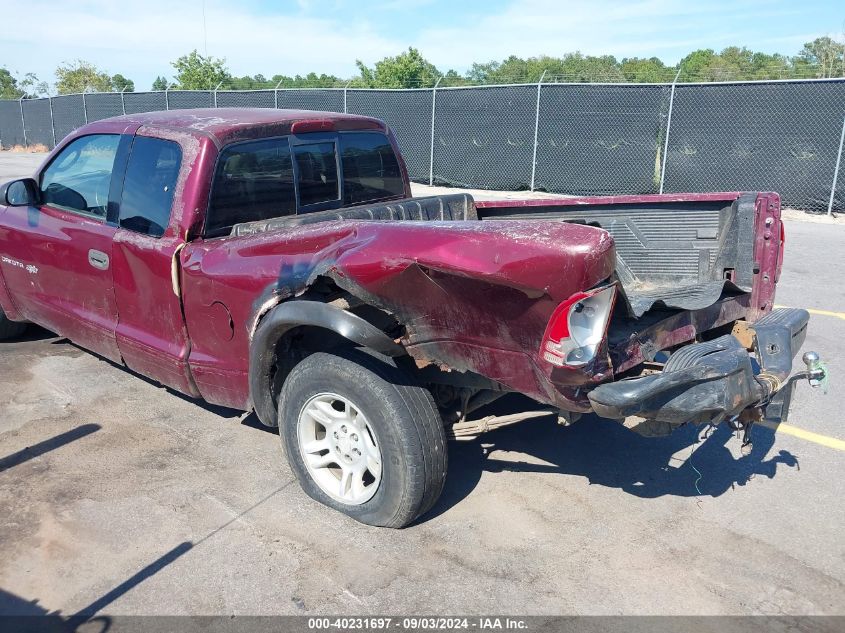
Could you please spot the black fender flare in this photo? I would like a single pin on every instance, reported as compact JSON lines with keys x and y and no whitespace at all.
{"x":292,"y":314}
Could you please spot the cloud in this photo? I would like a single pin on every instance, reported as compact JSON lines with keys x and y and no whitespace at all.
{"x":645,"y":28}
{"x":140,"y":39}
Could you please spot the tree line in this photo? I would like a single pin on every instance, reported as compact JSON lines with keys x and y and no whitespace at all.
{"x":824,"y":57}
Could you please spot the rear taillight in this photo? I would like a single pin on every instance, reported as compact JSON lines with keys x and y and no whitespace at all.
{"x":577,"y":328}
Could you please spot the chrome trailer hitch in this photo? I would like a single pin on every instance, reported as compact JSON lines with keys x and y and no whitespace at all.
{"x":780,"y":395}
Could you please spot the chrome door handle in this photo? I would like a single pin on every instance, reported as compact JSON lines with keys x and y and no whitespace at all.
{"x":98,"y":260}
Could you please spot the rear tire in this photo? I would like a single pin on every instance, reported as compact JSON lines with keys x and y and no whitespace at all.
{"x":10,"y":329}
{"x":372,"y":438}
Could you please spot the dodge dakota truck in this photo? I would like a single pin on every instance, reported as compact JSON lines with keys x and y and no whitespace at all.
{"x":275,"y":261}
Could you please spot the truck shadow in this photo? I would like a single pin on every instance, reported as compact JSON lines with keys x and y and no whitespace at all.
{"x":608,"y":454}
{"x":35,"y":333}
{"x":603,"y":451}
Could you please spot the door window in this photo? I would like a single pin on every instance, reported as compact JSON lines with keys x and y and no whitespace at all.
{"x":151,"y":176}
{"x":78,"y":179}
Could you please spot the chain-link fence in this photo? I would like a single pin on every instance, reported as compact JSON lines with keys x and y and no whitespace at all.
{"x":574,"y":139}
{"x":783,"y":137}
{"x":485,"y":138}
{"x":598,"y":139}
{"x":405,"y":112}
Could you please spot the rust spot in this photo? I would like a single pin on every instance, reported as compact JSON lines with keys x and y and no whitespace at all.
{"x":744,"y":333}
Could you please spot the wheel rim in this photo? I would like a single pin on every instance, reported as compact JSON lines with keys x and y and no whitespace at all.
{"x":339,"y":448}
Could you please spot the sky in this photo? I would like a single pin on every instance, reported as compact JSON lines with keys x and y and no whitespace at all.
{"x":140,"y":38}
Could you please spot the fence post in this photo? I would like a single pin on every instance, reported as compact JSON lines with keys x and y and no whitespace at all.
{"x":433,"y":108}
{"x":345,"y":109}
{"x":23,"y":121}
{"x":123,"y":100}
{"x":84,"y":108}
{"x":276,"y":94}
{"x":215,"y":93}
{"x":668,"y":127}
{"x":166,"y":98}
{"x":836,"y":170}
{"x":536,"y":131}
{"x":52,"y":121}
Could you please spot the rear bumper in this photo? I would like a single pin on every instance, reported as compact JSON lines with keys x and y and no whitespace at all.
{"x":714,"y":380}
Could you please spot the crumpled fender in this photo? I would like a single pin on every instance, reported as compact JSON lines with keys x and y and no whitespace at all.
{"x":472,"y":295}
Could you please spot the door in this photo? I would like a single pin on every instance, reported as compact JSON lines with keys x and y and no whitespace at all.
{"x":57,"y":256}
{"x":151,"y":332}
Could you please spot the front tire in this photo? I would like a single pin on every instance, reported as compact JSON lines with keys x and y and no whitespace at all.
{"x":10,"y":329}
{"x":363,"y":437}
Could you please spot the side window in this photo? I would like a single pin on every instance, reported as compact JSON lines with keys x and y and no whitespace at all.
{"x":151,"y":176}
{"x":317,"y":167}
{"x":253,"y":181}
{"x":78,"y":179}
{"x":370,"y":168}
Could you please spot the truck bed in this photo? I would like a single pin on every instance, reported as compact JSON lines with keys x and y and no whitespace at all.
{"x":676,"y":252}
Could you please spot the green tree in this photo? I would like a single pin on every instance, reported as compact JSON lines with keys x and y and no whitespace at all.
{"x":160,"y":83}
{"x":736,"y":63}
{"x":256,"y":82}
{"x":777,"y":66}
{"x":122,"y":84}
{"x":452,"y":78}
{"x":33,"y":87}
{"x":571,"y":67}
{"x":81,"y":76}
{"x":588,"y":68}
{"x":241,"y":83}
{"x":698,"y":65}
{"x":480,"y":73}
{"x":824,"y":56}
{"x":743,"y":63}
{"x":641,"y":70}
{"x":196,"y":72}
{"x":407,"y":70}
{"x":311,"y":80}
{"x":9,"y":88}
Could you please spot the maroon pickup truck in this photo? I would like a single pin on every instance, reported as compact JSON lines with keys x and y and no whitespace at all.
{"x":275,"y":260}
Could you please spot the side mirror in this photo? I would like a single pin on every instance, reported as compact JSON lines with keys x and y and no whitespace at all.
{"x":20,"y":193}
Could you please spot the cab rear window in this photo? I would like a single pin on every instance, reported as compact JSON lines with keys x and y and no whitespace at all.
{"x":272,"y":178}
{"x":370,"y":168}
{"x":316,"y":164}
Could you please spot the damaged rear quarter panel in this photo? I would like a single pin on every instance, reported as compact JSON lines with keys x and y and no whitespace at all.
{"x":473,"y":296}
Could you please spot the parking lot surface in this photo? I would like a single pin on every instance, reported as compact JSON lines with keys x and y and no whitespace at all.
{"x":120,"y":496}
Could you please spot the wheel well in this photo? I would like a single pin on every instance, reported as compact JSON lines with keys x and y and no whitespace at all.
{"x":312,"y":323}
{"x":296,"y":343}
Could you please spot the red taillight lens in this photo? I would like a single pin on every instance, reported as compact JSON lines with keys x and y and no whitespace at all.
{"x":577,"y":328}
{"x":558,"y":328}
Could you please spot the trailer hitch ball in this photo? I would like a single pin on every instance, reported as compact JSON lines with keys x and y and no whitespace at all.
{"x":815,"y":372}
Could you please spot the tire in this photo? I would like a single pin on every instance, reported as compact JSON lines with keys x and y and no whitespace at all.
{"x":389,"y":411}
{"x":10,"y":329}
